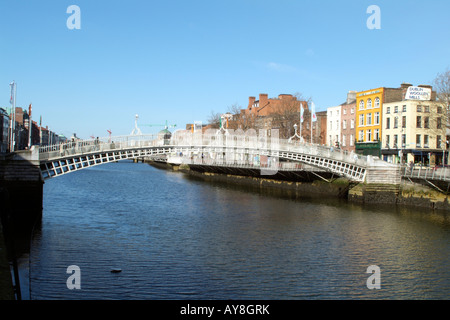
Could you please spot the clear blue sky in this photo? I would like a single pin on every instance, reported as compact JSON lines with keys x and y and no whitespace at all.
{"x":180,"y":60}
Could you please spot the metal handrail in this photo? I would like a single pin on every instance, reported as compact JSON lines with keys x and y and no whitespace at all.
{"x":431,"y":173}
{"x":234,"y":142}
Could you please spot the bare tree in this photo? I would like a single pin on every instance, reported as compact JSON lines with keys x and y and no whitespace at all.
{"x":442,"y":85}
{"x":284,"y":115}
{"x":235,"y":109}
{"x":214,"y":119}
{"x":241,"y":119}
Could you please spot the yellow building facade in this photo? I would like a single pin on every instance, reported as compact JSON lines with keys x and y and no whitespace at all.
{"x":368,"y":122}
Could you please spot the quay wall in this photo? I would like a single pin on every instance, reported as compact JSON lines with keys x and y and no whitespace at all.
{"x":404,"y":194}
{"x":21,"y":197}
{"x":6,"y":284}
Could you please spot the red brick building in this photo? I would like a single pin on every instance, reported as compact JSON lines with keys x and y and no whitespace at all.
{"x":266,"y":106}
{"x":348,"y":125}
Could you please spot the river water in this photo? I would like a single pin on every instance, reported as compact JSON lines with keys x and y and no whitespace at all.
{"x":176,"y":237}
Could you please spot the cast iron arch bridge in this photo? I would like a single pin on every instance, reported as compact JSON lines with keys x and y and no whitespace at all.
{"x":240,"y":150}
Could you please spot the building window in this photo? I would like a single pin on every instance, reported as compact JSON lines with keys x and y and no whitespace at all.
{"x":419,"y":108}
{"x":418,"y":144}
{"x":426,"y":122}
{"x":344,"y":124}
{"x":403,"y":140}
{"x":404,"y":108}
{"x":344,"y":140}
{"x":419,"y":122}
{"x":361,"y":105}
{"x":395,"y":140}
{"x":396,"y":109}
{"x":403,"y":121}
{"x":369,"y":103}
{"x":438,"y":142}
{"x":369,"y":135}
{"x":331,"y":125}
{"x":352,"y":110}
{"x":425,"y":141}
{"x":388,"y":110}
{"x":376,"y":134}
{"x":439,"y":110}
{"x":426,"y":109}
{"x":376,"y":120}
{"x":439,"y":123}
{"x":361,"y":120}
{"x":337,"y":124}
{"x":388,"y":138}
{"x":361,"y":135}
{"x":377,"y":102}
{"x":369,"y":119}
{"x":351,"y":140}
{"x":352,"y":123}
{"x":344,"y":111}
{"x":395,"y":122}
{"x":388,"y":123}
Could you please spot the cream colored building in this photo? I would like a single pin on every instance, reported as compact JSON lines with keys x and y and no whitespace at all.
{"x":413,"y":130}
{"x":334,"y":126}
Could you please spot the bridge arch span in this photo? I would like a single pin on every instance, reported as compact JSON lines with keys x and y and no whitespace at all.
{"x":231,"y":151}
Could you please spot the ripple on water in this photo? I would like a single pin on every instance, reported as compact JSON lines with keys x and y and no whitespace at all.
{"x":178,"y":238}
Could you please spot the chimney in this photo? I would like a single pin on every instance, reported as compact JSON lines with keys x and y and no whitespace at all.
{"x":251,"y":101}
{"x":405,"y":85}
{"x":263,"y":97}
{"x":284,"y":95}
{"x":351,"y":97}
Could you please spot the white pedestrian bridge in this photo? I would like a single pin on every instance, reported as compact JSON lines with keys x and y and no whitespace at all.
{"x":213,"y":148}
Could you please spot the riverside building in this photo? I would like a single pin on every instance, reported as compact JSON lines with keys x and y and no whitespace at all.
{"x":414,"y":130}
{"x":368,"y":129}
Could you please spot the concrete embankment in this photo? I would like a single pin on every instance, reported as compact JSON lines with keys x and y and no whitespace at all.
{"x":21,"y":190}
{"x":405,"y":194}
{"x":316,"y":188}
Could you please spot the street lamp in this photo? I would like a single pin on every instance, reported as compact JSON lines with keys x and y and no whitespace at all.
{"x":13,"y":86}
{"x":295,"y":134}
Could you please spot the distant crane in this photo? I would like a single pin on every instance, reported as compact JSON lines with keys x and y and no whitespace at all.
{"x":109,"y":131}
{"x":166,"y":126}
{"x":137,"y":131}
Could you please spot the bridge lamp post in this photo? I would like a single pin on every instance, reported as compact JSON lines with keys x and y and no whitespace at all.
{"x":295,"y":134}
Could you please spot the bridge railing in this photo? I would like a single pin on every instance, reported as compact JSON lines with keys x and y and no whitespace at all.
{"x":76,"y":147}
{"x":266,"y":143}
{"x":239,"y":142}
{"x":426,"y":173}
{"x":269,"y":163}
